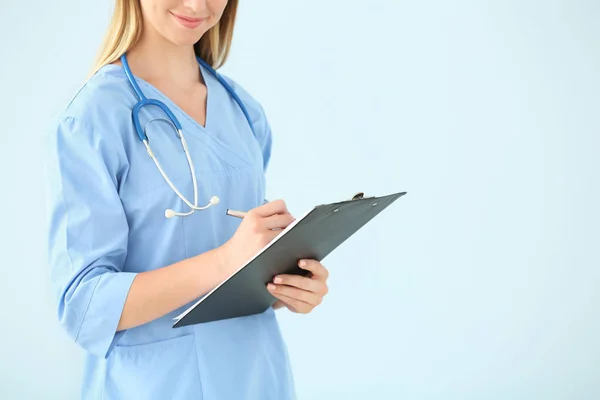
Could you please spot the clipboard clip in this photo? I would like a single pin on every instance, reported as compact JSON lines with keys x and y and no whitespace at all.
{"x":360,"y":196}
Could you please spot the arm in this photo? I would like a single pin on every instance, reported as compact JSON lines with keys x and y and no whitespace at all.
{"x":158,"y":292}
{"x":155,"y":293}
{"x":88,"y":240}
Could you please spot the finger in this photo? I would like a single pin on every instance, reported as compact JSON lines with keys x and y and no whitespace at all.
{"x":301,"y":282}
{"x":295,"y":293}
{"x":317,"y":269}
{"x":272,"y":234}
{"x":278,"y":221}
{"x":295,"y":304}
{"x":272,"y":208}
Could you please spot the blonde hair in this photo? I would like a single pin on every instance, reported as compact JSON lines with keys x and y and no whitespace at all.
{"x":126,"y":28}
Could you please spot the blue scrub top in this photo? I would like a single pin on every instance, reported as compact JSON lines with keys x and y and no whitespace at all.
{"x":107,"y":201}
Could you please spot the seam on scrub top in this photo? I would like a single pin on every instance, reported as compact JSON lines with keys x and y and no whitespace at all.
{"x":193,"y":331}
{"x":77,"y":94}
{"x":135,"y":198}
{"x":198,"y":365}
{"x":140,"y":196}
{"x":88,"y":306}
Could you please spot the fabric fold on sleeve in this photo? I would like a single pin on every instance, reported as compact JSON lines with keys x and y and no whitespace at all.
{"x":98,"y":330}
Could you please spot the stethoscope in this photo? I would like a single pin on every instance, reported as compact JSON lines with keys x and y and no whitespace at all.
{"x":174,"y":122}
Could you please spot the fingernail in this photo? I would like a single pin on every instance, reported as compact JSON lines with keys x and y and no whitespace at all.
{"x":302,"y":263}
{"x":270,"y":286}
{"x":277,"y":279}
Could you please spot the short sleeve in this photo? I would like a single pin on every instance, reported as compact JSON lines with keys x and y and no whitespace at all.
{"x":87,"y":234}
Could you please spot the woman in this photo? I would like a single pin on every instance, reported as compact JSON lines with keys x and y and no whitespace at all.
{"x":123,"y":267}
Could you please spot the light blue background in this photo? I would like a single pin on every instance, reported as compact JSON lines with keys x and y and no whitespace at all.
{"x":481,"y":283}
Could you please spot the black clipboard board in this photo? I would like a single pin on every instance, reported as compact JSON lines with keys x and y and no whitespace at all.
{"x":312,"y":236}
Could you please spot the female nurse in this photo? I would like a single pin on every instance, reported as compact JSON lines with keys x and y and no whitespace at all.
{"x":127,"y":253}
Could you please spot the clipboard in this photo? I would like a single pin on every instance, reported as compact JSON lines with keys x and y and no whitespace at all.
{"x":312,"y":236}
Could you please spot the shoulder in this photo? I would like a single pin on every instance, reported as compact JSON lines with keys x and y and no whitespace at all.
{"x":101,"y":106}
{"x":98,"y":116}
{"x":249,"y":100}
{"x":255,"y":109}
{"x":104,"y":95}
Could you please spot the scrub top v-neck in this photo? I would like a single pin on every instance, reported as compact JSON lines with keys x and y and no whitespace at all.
{"x":107,"y":201}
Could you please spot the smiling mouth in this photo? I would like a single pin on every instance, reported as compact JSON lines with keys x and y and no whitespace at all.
{"x":188,"y":22}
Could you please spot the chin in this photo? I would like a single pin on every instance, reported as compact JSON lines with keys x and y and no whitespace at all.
{"x":184,"y":42}
{"x":183,"y":38}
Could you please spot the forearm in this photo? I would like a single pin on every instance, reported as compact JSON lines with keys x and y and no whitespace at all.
{"x":155,"y":293}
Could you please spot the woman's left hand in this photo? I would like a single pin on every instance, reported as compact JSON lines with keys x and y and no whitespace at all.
{"x":301,"y":294}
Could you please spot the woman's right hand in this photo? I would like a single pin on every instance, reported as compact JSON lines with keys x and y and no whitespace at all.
{"x":258,"y":227}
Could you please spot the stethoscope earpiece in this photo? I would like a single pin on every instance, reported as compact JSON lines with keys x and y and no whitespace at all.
{"x":170,"y":213}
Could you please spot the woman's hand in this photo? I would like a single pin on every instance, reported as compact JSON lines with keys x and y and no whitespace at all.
{"x":301,"y":294}
{"x":259,"y":226}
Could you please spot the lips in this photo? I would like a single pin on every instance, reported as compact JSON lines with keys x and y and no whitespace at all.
{"x":188,"y":22}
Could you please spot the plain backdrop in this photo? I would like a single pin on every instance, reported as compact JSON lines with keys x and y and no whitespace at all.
{"x":481,"y":283}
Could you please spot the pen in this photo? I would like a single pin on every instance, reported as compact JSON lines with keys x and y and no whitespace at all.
{"x":240,"y":214}
{"x":235,"y":213}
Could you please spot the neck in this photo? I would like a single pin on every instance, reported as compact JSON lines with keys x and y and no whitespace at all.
{"x":157,"y":60}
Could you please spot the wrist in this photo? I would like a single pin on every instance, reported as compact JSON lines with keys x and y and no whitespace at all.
{"x":210,"y":268}
{"x":223,"y":260}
